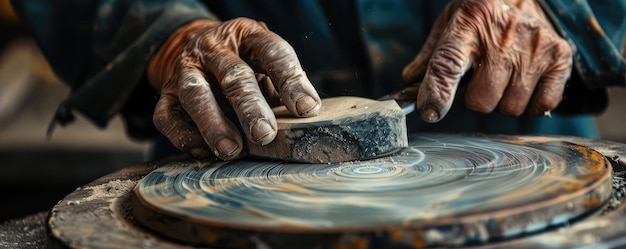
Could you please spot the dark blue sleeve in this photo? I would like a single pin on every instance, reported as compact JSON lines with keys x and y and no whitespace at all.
{"x":595,"y":31}
{"x":101,"y":48}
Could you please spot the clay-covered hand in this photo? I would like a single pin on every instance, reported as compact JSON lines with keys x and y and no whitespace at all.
{"x":239,"y":59}
{"x":520,"y":64}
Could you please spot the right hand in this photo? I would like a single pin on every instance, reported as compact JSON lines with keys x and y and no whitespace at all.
{"x":205,"y":56}
{"x":520,"y":62}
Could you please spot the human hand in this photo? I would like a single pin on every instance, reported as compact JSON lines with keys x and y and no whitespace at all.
{"x":206,"y":58}
{"x":520,"y":64}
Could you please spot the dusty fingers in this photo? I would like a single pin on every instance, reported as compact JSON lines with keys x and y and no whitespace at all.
{"x":520,"y":64}
{"x":205,"y":57}
{"x":190,"y":117}
{"x":171,"y":120}
{"x":260,"y":49}
{"x":270,"y":54}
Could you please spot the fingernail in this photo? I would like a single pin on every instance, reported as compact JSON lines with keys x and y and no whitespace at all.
{"x":305,"y":104}
{"x":226,"y":147}
{"x":261,"y":130}
{"x":200,"y":153}
{"x":430,"y":115}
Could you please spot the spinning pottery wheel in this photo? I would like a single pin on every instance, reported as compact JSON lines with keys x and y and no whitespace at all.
{"x":440,"y":191}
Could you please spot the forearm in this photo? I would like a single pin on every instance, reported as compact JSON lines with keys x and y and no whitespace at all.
{"x":102,"y":49}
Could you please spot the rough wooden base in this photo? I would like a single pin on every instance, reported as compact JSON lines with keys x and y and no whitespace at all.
{"x":347,"y":128}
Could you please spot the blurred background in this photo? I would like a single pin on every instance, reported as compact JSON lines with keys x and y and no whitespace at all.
{"x":36,"y":172}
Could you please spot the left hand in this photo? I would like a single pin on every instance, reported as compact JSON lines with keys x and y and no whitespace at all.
{"x":520,"y":63}
{"x":240,"y":59}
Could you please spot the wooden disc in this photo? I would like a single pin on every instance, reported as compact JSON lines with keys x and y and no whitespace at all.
{"x":441,"y":190}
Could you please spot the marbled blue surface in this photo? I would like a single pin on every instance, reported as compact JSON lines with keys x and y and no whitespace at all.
{"x":438,"y":179}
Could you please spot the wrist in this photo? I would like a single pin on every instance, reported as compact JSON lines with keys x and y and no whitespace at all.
{"x":160,"y":67}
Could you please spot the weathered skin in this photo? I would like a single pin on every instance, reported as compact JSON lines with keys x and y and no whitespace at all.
{"x":250,"y":65}
{"x":520,"y":66}
{"x":520,"y":63}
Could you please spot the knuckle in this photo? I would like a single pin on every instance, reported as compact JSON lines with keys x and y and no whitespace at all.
{"x":556,"y":80}
{"x":204,"y":45}
{"x":556,"y":76}
{"x":243,"y":23}
{"x":279,"y":53}
{"x":166,"y":115}
{"x":191,"y":80}
{"x":238,"y":77}
{"x":162,"y":122}
{"x":563,"y":52}
{"x":512,"y":108}
{"x":437,"y":92}
{"x":184,"y":63}
{"x":191,"y":87}
{"x":552,"y":55}
{"x":551,"y":45}
{"x":161,"y":115}
{"x":562,"y":45}
{"x":293,"y":83}
{"x":448,"y":62}
{"x":475,"y":5}
{"x":542,"y":44}
{"x":250,"y":105}
{"x":477,"y":9}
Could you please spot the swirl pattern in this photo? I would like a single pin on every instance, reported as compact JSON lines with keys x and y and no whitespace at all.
{"x":439,"y":180}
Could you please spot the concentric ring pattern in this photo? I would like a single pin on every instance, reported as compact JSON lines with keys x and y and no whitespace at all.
{"x":436,"y":179}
